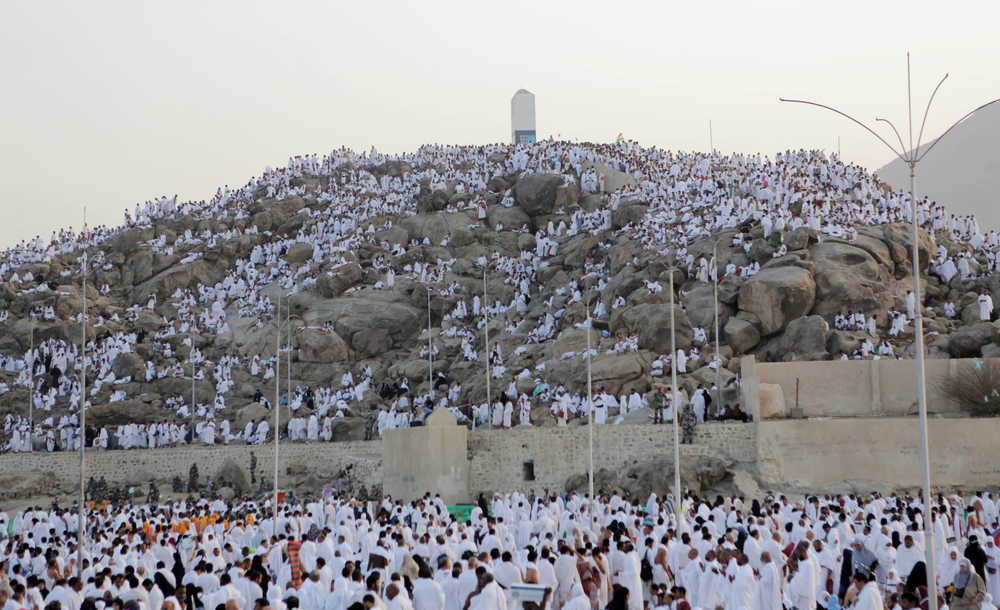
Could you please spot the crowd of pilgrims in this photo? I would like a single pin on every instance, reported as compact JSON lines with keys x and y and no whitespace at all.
{"x":615,"y":553}
{"x":690,"y":195}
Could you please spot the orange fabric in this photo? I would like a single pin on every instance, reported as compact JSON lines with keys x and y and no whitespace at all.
{"x":293,"y":559}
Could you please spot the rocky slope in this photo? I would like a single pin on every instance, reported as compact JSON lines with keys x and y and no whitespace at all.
{"x":338,"y":280}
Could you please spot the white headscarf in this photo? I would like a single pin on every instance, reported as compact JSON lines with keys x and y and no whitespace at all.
{"x":949,"y":567}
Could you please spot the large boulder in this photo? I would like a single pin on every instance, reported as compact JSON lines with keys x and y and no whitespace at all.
{"x":848,"y":279}
{"x":322,"y":347}
{"x":510,"y":218}
{"x":435,"y":227}
{"x":179,"y":277}
{"x":778,"y":295}
{"x":128,"y":365}
{"x":969,"y":340}
{"x":741,"y":335}
{"x":370,"y":342}
{"x":334,"y":283}
{"x":699,"y":303}
{"x":898,"y":236}
{"x":536,"y":193}
{"x":611,"y":372}
{"x":348,"y":429}
{"x":629,"y":212}
{"x":299,"y":253}
{"x":651,"y":323}
{"x":804,"y":339}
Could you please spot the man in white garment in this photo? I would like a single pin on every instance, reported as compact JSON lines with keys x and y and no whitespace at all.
{"x":427,"y":593}
{"x":985,"y":306}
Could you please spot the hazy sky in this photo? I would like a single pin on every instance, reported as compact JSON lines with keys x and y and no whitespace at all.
{"x":111,"y":103}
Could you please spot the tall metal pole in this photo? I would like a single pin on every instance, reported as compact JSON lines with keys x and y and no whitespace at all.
{"x":430,"y":347}
{"x":82,"y":518}
{"x":193,"y":400}
{"x":486,"y":327}
{"x":31,"y":388}
{"x":675,"y":403}
{"x":288,"y":349}
{"x":711,"y":138}
{"x":911,"y":157}
{"x":277,"y":406}
{"x":718,"y":356}
{"x":918,"y":331}
{"x":590,"y":426}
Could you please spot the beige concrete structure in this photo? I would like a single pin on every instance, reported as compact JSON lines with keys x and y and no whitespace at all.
{"x":430,"y":458}
{"x":818,"y":453}
{"x":859,"y":388}
{"x":536,"y":459}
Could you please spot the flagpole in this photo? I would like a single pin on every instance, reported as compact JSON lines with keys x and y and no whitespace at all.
{"x":83,"y":407}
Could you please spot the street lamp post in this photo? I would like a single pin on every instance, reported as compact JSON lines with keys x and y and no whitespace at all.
{"x":590,"y":424}
{"x":911,"y":157}
{"x":193,"y":403}
{"x":486,"y":329}
{"x":718,"y":356}
{"x":430,"y":347}
{"x":31,"y":389}
{"x":674,"y":402}
{"x":277,"y":406}
{"x":82,"y":517}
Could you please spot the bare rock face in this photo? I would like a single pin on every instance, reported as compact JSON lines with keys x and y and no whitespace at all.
{"x":334,"y":283}
{"x":700,"y":307}
{"x":778,"y":295}
{"x":741,"y":335}
{"x":968,"y":341}
{"x":299,"y":253}
{"x":128,"y":365}
{"x":651,"y":322}
{"x":848,"y":278}
{"x":536,"y":193}
{"x":898,"y":237}
{"x":629,"y":212}
{"x":322,"y":347}
{"x":803,"y":339}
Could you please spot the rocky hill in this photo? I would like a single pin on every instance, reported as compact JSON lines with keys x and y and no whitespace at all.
{"x":364,"y":248}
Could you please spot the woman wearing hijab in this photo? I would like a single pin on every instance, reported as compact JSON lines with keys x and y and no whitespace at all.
{"x":948,"y":568}
{"x":969,"y":588}
{"x":916,"y":583}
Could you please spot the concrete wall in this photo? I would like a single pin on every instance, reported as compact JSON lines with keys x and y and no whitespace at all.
{"x":413,"y":463}
{"x":861,"y":388}
{"x":499,"y":456}
{"x":427,"y":458}
{"x":137,"y":467}
{"x":819,"y":453}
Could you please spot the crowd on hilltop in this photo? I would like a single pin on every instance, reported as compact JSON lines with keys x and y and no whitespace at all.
{"x":351,"y":202}
{"x":512,"y":551}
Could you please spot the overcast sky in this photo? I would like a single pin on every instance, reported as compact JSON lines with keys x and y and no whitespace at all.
{"x":106,"y":104}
